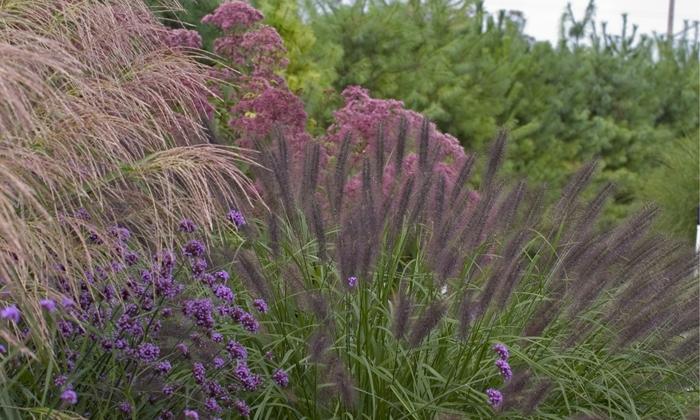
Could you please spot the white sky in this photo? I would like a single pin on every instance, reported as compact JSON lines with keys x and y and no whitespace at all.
{"x":542,"y":16}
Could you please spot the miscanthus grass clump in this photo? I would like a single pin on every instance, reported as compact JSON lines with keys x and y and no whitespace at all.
{"x":99,"y":111}
{"x":156,"y":335}
{"x":446,"y":300}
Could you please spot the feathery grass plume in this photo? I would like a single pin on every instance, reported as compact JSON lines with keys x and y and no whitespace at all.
{"x":423,"y":145}
{"x":507,"y":211}
{"x":98,"y":113}
{"x":426,"y":323}
{"x":402,"y":312}
{"x":593,"y":209}
{"x":281,"y":168}
{"x":379,"y":158}
{"x":496,"y":157}
{"x":319,"y":343}
{"x":250,"y":269}
{"x":368,"y":206}
{"x":438,"y":207}
{"x":536,"y":201}
{"x":319,"y":229}
{"x":506,"y":271}
{"x":400,"y":209}
{"x":273,"y":233}
{"x":473,"y":233}
{"x":401,"y":140}
{"x":536,"y":397}
{"x":687,"y":348}
{"x":465,"y":172}
{"x":420,"y":200}
{"x":311,"y":170}
{"x":466,"y":313}
{"x":340,"y":177}
{"x":572,"y":191}
{"x":344,"y":384}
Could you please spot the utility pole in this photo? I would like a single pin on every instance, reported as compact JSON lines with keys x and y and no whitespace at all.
{"x":669,"y":29}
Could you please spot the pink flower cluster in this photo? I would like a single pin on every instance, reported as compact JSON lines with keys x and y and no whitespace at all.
{"x":183,"y":38}
{"x":236,"y":14}
{"x":266,"y":109}
{"x":262,"y":100}
{"x":260,"y":52}
{"x":361,"y":118}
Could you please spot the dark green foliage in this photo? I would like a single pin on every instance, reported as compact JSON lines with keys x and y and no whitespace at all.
{"x":675,"y":186}
{"x":595,"y":95}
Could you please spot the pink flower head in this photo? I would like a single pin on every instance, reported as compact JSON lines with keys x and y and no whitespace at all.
{"x":183,"y":38}
{"x":234,"y":14}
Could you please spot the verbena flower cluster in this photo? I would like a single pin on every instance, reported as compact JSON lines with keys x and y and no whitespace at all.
{"x":154,"y":332}
{"x":495,"y":396}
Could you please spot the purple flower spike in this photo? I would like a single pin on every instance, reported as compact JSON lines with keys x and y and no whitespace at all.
{"x":11,"y":312}
{"x":198,"y":372}
{"x":163,"y":367}
{"x":194,"y":248}
{"x":501,"y":350}
{"x":219,"y":362}
{"x":352,"y":282}
{"x":242,"y":408}
{"x":67,"y":302}
{"x":504,"y":367}
{"x":69,"y":397}
{"x":260,"y":305}
{"x":250,"y":323}
{"x":199,"y":265}
{"x":191,"y":414}
{"x":221,"y":276}
{"x":495,"y":397}
{"x":148,"y":352}
{"x":281,"y":378}
{"x":48,"y":305}
{"x":224,"y":293}
{"x":236,"y":217}
{"x":3,"y":350}
{"x":125,"y":407}
{"x":212,"y":405}
{"x":236,"y":350}
{"x":187,"y":226}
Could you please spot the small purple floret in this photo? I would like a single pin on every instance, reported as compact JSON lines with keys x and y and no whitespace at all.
{"x":504,"y":367}
{"x":194,"y":248}
{"x":495,"y":397}
{"x":48,"y":305}
{"x":281,"y":378}
{"x":501,"y":350}
{"x":11,"y":313}
{"x":242,"y":408}
{"x":260,"y":305}
{"x":187,"y":226}
{"x":191,"y":414}
{"x":69,"y":397}
{"x":236,"y":217}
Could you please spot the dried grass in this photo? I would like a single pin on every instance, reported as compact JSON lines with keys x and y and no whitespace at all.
{"x":98,"y":113}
